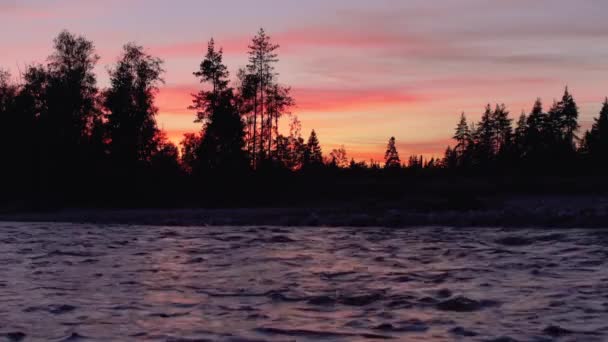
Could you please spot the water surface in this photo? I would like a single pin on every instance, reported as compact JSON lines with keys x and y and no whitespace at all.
{"x":70,"y":282}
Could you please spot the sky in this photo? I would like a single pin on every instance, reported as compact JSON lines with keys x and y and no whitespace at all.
{"x":360,"y":71}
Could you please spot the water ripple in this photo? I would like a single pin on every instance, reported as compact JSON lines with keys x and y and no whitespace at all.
{"x":69,"y":282}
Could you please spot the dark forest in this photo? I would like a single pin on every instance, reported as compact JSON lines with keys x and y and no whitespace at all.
{"x":67,"y":142}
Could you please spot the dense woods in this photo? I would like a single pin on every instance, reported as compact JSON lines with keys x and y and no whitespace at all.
{"x":68,"y":141}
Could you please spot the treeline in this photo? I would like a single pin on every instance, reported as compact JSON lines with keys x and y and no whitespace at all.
{"x":540,"y":141}
{"x":65,"y":139}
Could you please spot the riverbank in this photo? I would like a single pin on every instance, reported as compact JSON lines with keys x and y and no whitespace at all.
{"x":520,"y":211}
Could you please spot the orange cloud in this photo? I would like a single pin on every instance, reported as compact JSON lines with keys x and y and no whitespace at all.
{"x":175,"y":99}
{"x":324,"y":100}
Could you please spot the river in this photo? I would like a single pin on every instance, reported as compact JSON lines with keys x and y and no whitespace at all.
{"x":68,"y":282}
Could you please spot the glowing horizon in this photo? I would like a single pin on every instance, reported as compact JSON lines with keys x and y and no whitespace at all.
{"x":361,"y":72}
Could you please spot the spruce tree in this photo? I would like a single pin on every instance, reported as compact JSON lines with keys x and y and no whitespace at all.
{"x":519,"y":138}
{"x":485,"y":135}
{"x":596,"y":140}
{"x":212,"y":70}
{"x":450,"y":159}
{"x":569,"y":119}
{"x":222,"y":144}
{"x":462,"y":135}
{"x":538,"y":130}
{"x":391,"y":156}
{"x":502,"y":129}
{"x":313,"y":155}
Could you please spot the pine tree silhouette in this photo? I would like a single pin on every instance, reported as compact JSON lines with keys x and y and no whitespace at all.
{"x":391,"y":156}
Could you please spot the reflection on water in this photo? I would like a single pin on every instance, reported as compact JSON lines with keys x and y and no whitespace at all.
{"x":77,"y":282}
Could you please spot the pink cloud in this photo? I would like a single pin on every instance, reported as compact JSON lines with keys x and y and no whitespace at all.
{"x":294,"y":40}
{"x":318,"y":99}
{"x":175,"y":99}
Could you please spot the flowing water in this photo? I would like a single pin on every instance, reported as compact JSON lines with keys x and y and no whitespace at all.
{"x":69,"y":282}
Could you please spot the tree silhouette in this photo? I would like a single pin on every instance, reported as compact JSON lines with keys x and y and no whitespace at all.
{"x":519,"y":137}
{"x":61,"y":98}
{"x":538,"y":132}
{"x":278,"y":103}
{"x":190,"y":146}
{"x":391,"y":156}
{"x":595,"y":143}
{"x":291,"y":149}
{"x":503,"y":130}
{"x":415,"y":163}
{"x":338,"y":157}
{"x":165,"y":161}
{"x":131,"y":123}
{"x":313,"y":156}
{"x":569,"y":118}
{"x":484,"y":147}
{"x":64,"y":139}
{"x":246,"y":102}
{"x":10,"y":129}
{"x":462,"y":135}
{"x":211,"y":70}
{"x":450,"y":159}
{"x":222,"y":144}
{"x":262,"y":56}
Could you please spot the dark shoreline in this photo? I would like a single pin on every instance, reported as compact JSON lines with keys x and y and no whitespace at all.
{"x":567,"y":211}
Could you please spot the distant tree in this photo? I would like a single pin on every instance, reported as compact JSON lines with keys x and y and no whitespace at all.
{"x":354,"y":165}
{"x":503,"y":129}
{"x":485,"y":134}
{"x":165,"y":160}
{"x":519,"y":138}
{"x":211,"y":70}
{"x":569,"y":118}
{"x":374,"y":165}
{"x":563,"y":124}
{"x":493,"y":135}
{"x":190,"y":146}
{"x":462,"y":135}
{"x":415,"y":162}
{"x":8,"y":93}
{"x":538,"y":131}
{"x":291,"y":149}
{"x":338,"y":157}
{"x":246,"y":101}
{"x":450,"y":160}
{"x":391,"y":156}
{"x":595,"y":143}
{"x":11,"y":130}
{"x":278,"y":103}
{"x":222,"y":145}
{"x":131,"y":123}
{"x":262,"y":57}
{"x":313,"y":155}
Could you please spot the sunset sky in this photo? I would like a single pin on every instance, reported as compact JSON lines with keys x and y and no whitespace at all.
{"x":361,"y":71}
